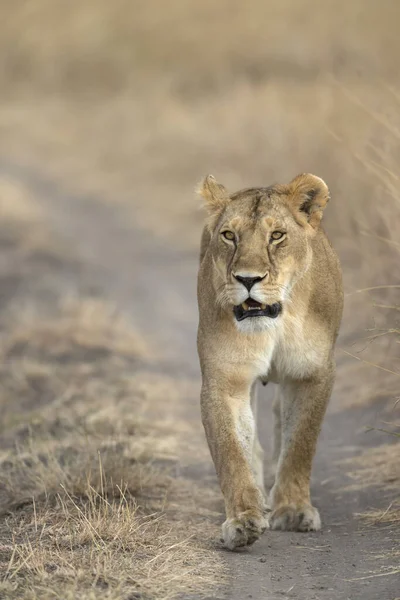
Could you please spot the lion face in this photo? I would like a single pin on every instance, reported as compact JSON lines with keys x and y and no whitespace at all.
{"x":260,"y":245}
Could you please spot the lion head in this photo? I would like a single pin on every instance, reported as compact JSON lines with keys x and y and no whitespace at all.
{"x":261,"y":244}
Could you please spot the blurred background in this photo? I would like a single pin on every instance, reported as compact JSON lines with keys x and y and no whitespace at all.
{"x":113,"y":111}
{"x":131,"y":103}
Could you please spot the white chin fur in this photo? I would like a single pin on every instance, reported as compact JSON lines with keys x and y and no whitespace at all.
{"x":256,"y":324}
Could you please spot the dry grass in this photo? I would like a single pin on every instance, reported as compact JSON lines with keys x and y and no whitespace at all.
{"x":22,"y":220}
{"x":390,"y":515}
{"x":87,"y":324}
{"x":18,"y":210}
{"x":89,"y":466}
{"x":99,"y":547}
{"x":89,"y":504}
{"x":103,"y":46}
{"x":378,"y":466}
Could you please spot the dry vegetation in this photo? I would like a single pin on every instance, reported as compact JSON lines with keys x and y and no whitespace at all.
{"x":86,"y":492}
{"x":131,"y":102}
{"x":133,"y":105}
{"x":390,"y":515}
{"x":376,"y":467}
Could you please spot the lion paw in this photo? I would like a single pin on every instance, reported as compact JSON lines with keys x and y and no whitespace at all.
{"x":292,"y":517}
{"x":243,"y":530}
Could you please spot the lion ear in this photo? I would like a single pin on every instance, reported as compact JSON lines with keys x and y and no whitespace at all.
{"x":215,"y":195}
{"x":309,"y":196}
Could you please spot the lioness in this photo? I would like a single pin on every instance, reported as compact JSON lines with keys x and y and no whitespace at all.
{"x":270,"y":302}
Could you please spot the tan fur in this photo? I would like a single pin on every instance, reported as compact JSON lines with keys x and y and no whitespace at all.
{"x":294,"y":350}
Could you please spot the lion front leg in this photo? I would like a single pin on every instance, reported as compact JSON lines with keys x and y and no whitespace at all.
{"x":303,"y":408}
{"x":230,"y":429}
{"x":257,"y":459}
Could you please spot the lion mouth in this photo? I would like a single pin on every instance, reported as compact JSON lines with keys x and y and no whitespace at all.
{"x":252,"y":308}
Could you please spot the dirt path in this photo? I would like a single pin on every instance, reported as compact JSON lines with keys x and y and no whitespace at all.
{"x":338,"y":563}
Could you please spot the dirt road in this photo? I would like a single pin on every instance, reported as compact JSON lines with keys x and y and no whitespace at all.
{"x":156,"y":284}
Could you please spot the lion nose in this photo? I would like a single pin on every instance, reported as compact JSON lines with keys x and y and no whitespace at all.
{"x":248,"y":282}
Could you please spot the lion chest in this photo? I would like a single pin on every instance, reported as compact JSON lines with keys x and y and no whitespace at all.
{"x":296,"y":351}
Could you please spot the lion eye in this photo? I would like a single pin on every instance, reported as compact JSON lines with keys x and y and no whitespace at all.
{"x":228,"y":235}
{"x":277,"y":235}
